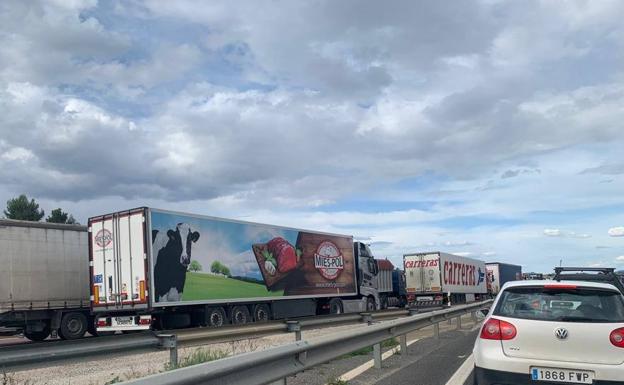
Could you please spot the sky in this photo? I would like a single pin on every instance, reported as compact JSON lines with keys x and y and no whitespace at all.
{"x":483,"y":128}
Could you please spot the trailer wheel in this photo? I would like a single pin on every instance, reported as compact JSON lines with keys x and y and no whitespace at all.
{"x":73,"y":326}
{"x":216,"y":317}
{"x":335,"y":306}
{"x":240,"y":315}
{"x":262,"y":312}
{"x":38,"y":335}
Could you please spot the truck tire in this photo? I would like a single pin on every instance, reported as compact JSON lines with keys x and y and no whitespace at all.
{"x":384,"y":302}
{"x":215,"y":317}
{"x":335,"y":306}
{"x":262,"y":313}
{"x":73,"y":326}
{"x":240,"y":315}
{"x":37,"y":336}
{"x":370,"y":304}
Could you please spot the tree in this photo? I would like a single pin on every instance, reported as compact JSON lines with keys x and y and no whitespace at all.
{"x":195,"y":266}
{"x":59,"y":216}
{"x":226,"y":271}
{"x":216,"y":267}
{"x":21,"y":208}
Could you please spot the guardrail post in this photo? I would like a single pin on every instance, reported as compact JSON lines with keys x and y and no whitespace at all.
{"x":377,"y":355}
{"x":436,"y":330}
{"x":367,"y":317}
{"x":170,"y":341}
{"x":473,"y":316}
{"x":459,"y":323}
{"x":413,"y":311}
{"x":294,"y":326}
{"x":403,"y":339}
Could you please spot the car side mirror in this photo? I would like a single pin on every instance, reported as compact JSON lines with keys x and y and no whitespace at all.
{"x":485,"y":311}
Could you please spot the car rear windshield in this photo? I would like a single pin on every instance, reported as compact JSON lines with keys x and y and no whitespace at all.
{"x":561,"y":304}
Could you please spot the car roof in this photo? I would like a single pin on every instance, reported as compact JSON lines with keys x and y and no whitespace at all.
{"x":598,"y":285}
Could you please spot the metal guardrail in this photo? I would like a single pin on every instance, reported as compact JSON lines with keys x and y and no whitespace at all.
{"x":274,"y":365}
{"x":35,"y":353}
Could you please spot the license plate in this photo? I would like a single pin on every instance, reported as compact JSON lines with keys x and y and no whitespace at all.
{"x":568,"y":376}
{"x":123,"y":321}
{"x":425,"y":298}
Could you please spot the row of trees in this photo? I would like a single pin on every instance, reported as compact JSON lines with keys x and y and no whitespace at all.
{"x":28,"y":210}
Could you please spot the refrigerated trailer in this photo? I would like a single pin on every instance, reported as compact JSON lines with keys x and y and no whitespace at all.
{"x":501,"y":273}
{"x":437,"y":278}
{"x":44,"y":279}
{"x":163,"y":269}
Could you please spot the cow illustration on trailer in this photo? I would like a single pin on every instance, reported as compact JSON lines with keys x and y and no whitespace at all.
{"x":172,"y":251}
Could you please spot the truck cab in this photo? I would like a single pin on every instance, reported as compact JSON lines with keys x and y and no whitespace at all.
{"x":367,"y":276}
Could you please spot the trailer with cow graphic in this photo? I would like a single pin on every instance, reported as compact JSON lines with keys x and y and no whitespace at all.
{"x":153,"y":268}
{"x":437,"y":278}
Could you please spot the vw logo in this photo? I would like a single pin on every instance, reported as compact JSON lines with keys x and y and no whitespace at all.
{"x":561,"y":333}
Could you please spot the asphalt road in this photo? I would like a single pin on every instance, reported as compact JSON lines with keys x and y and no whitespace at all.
{"x":436,"y":367}
{"x":430,"y":361}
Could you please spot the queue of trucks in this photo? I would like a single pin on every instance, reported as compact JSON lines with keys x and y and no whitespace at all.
{"x":147,"y":268}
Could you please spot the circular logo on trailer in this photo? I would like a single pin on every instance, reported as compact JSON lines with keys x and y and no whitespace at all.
{"x":103,"y":238}
{"x":328,"y":260}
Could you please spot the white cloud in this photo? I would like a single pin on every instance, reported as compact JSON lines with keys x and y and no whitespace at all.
{"x":616,"y":232}
{"x":553,"y":232}
{"x":620,"y":259}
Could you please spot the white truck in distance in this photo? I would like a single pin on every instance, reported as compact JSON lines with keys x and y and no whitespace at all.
{"x":438,"y":278}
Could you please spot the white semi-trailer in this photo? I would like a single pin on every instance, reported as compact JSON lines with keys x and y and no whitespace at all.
{"x":44,"y":281}
{"x":162,"y":269}
{"x":437,"y":278}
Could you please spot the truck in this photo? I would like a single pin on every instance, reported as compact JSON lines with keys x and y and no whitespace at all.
{"x":160,"y":269}
{"x":500,"y":273}
{"x":437,"y":278}
{"x":391,"y":285}
{"x":44,"y":279}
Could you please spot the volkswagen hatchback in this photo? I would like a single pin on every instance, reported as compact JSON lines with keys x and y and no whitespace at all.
{"x":552,"y":332}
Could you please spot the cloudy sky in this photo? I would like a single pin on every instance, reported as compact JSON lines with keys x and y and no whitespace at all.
{"x":484,"y":128}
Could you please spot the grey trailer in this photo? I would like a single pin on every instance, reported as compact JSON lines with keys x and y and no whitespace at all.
{"x":44,"y":279}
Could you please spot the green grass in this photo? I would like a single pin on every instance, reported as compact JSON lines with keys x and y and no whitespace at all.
{"x":198,"y":356}
{"x":392,"y":342}
{"x":200,"y":286}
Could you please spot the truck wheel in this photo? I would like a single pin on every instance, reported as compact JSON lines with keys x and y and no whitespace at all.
{"x":216,"y":317}
{"x":240,"y":315}
{"x":73,"y":326}
{"x":262,"y":313}
{"x":335,"y":306}
{"x":370,"y":304}
{"x":38,"y":335}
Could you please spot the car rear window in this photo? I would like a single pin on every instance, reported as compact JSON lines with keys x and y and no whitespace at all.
{"x":561,"y":304}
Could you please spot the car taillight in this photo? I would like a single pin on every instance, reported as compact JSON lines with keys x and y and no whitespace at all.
{"x":102,"y":322}
{"x":617,"y":337}
{"x":495,"y":329}
{"x":144,"y":321}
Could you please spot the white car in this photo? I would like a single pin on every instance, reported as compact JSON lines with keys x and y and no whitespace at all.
{"x":552,"y":332}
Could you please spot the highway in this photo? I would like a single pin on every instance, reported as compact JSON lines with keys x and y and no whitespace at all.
{"x":429,"y":362}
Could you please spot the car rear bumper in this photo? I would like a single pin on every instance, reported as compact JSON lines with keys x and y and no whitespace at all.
{"x":497,"y":377}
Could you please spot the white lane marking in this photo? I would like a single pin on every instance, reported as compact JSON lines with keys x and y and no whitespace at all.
{"x":351,"y":374}
{"x":462,"y":374}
